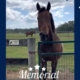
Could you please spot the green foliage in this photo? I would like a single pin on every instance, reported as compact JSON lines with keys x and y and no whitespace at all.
{"x":17,"y":30}
{"x":68,"y":26}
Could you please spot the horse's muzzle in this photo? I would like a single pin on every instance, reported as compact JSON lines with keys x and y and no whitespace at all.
{"x":43,"y":37}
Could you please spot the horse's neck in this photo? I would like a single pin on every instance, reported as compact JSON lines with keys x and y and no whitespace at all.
{"x":53,"y":36}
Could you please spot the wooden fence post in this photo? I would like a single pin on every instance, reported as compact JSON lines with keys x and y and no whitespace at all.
{"x":31,"y":55}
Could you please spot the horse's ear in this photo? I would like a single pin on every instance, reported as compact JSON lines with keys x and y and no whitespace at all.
{"x":38,"y":6}
{"x":48,"y":6}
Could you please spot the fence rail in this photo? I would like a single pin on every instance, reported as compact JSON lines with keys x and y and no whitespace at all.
{"x":16,"y":42}
{"x":51,"y":54}
{"x":56,"y":42}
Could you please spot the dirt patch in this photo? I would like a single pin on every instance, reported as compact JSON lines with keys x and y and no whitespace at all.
{"x":66,"y":75}
{"x":12,"y":75}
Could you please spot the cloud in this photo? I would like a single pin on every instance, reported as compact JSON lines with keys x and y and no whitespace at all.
{"x":14,"y":24}
{"x":66,"y":13}
{"x":12,"y":14}
{"x":31,"y":16}
{"x":58,"y":23}
{"x":17,"y":16}
{"x":58,"y":7}
{"x":58,"y":13}
{"x":22,"y":4}
{"x":18,"y":24}
{"x":31,"y":4}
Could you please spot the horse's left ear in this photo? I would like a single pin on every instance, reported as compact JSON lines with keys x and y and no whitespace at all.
{"x":48,"y":6}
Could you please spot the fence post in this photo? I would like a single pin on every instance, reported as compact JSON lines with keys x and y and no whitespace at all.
{"x":31,"y":55}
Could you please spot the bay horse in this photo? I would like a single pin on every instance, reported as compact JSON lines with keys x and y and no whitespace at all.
{"x":30,"y":33}
{"x":48,"y":33}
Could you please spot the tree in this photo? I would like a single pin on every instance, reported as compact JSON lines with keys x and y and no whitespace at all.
{"x":68,"y":26}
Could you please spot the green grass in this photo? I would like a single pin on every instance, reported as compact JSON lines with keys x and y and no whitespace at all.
{"x":66,"y":62}
{"x":22,"y":52}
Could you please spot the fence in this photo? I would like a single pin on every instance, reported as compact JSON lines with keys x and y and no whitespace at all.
{"x":31,"y":56}
{"x":67,"y":59}
{"x":30,"y":42}
{"x":16,"y":42}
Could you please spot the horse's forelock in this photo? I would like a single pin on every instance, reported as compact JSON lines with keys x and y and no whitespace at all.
{"x":42,"y":9}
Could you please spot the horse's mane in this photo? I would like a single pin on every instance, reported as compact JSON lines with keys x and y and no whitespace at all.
{"x":52,"y":21}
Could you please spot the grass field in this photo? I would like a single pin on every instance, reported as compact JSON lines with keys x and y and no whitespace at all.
{"x":22,"y":52}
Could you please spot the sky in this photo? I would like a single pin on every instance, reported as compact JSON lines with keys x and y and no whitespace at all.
{"x":23,"y":13}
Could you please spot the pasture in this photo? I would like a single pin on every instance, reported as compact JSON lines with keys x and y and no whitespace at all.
{"x":22,"y":52}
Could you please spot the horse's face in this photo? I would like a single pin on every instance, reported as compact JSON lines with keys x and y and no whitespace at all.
{"x":44,"y":23}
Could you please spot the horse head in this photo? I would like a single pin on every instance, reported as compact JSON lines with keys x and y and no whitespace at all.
{"x":45,"y":22}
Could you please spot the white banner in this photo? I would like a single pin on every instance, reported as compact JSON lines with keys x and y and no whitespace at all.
{"x":13,"y":42}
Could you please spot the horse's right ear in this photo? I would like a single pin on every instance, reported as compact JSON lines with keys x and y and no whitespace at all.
{"x":38,"y":6}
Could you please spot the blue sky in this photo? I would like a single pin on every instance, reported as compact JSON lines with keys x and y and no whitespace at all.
{"x":23,"y":13}
{"x":67,"y":17}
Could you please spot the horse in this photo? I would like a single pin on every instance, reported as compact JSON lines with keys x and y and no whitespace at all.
{"x":30,"y":33}
{"x":48,"y":33}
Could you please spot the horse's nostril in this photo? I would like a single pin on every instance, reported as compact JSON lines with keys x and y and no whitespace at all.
{"x":46,"y":35}
{"x":40,"y":33}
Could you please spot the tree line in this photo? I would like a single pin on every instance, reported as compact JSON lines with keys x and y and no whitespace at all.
{"x":67,"y":26}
